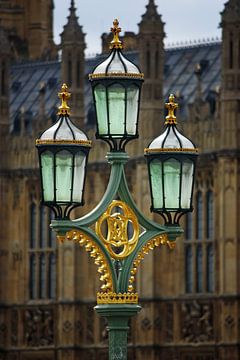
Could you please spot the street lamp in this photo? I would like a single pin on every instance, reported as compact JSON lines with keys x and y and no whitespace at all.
{"x":118,"y":243}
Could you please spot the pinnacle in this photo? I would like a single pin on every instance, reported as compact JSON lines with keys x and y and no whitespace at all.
{"x":151,"y":13}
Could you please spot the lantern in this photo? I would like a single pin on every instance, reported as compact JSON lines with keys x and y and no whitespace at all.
{"x":116,"y":85}
{"x":171,"y":159}
{"x":63,"y":153}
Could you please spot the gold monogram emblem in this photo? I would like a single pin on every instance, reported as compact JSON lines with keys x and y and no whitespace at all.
{"x":121,"y":229}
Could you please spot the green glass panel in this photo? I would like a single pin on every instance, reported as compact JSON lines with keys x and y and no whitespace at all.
{"x":63,"y":176}
{"x":132,"y":109}
{"x":101,"y":107}
{"x":172,"y":170}
{"x":79,"y":174}
{"x":116,"y":101}
{"x":47,"y":176}
{"x":156,"y":182}
{"x":187,"y":183}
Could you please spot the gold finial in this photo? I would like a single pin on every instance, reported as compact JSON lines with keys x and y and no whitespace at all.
{"x":171,"y":106}
{"x":116,"y":43}
{"x":64,"y":95}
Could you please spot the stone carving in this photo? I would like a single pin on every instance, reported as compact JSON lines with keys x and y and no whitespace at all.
{"x":229,"y":322}
{"x":146,"y":324}
{"x":169,"y":322}
{"x":67,"y":326}
{"x":3,"y":333}
{"x":197,"y":322}
{"x":103,"y":330}
{"x":14,"y":327}
{"x":90,"y":323}
{"x":39,"y":329}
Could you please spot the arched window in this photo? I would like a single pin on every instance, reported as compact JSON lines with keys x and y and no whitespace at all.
{"x":199,"y":270}
{"x":210,"y":268}
{"x":199,"y":222}
{"x":188,"y":269}
{"x":33,"y":226}
{"x":78,"y":74}
{"x":43,"y":227}
{"x":156,"y":64}
{"x":42,"y":254}
{"x":52,"y":276}
{"x":189,"y":226}
{"x":239,"y":52}
{"x":42,"y":277}
{"x":148,"y":64}
{"x":199,"y":243}
{"x":32,"y":278}
{"x":3,"y":79}
{"x":209,"y":215}
{"x":231,"y":48}
{"x":51,"y":234}
{"x":69,"y":70}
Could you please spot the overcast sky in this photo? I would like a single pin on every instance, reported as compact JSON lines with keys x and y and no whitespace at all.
{"x":184,"y":19}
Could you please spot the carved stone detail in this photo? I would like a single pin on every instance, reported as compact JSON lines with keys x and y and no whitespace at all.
{"x":229,"y":322}
{"x":169,"y":322}
{"x":67,"y":326}
{"x":39,"y":329}
{"x":197,"y":322}
{"x":14,"y":327}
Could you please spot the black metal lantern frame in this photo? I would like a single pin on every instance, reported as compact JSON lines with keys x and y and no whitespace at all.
{"x":171,"y":216}
{"x":62,"y":209}
{"x":117,"y":142}
{"x":63,"y":155}
{"x":116,"y":70}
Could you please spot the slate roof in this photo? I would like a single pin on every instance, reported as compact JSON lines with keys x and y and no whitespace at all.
{"x":179,"y":78}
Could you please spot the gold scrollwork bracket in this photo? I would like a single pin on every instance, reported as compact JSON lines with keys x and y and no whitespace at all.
{"x":97,"y":254}
{"x":150,"y":245}
{"x":117,"y":240}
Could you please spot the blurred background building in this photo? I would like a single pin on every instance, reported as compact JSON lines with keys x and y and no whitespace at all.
{"x":190,"y":296}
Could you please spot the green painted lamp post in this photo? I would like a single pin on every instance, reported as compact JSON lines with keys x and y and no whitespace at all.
{"x":63,"y":152}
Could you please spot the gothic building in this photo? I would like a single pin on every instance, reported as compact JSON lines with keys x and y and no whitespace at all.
{"x":190,"y":295}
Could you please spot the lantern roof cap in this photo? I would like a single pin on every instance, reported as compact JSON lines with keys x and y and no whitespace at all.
{"x":63,"y":131}
{"x":116,"y":64}
{"x":171,"y":140}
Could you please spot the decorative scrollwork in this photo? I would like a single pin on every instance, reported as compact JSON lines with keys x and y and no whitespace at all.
{"x":117,"y":298}
{"x":117,"y":241}
{"x":95,"y":252}
{"x":150,"y":245}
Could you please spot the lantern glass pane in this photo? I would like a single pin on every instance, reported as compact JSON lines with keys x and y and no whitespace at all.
{"x":79,"y":175}
{"x":172,"y":172}
{"x":156,"y":183}
{"x":101,"y":108}
{"x":63,"y":176}
{"x":116,"y":103}
{"x":132,"y":109}
{"x":47,"y":165}
{"x":187,"y":183}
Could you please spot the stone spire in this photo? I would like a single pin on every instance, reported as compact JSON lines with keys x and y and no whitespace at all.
{"x":151,"y":61}
{"x":231,"y":12}
{"x":73,"y":61}
{"x":72,"y":30}
{"x":151,"y":14}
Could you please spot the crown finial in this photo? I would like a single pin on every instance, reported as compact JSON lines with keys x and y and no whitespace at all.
{"x":64,"y":95}
{"x":171,"y":106}
{"x":116,"y":42}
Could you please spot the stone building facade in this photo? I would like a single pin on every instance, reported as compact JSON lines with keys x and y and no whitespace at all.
{"x":190,"y":296}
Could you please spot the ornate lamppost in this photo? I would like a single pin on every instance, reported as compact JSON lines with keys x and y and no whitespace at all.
{"x":63,"y":151}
